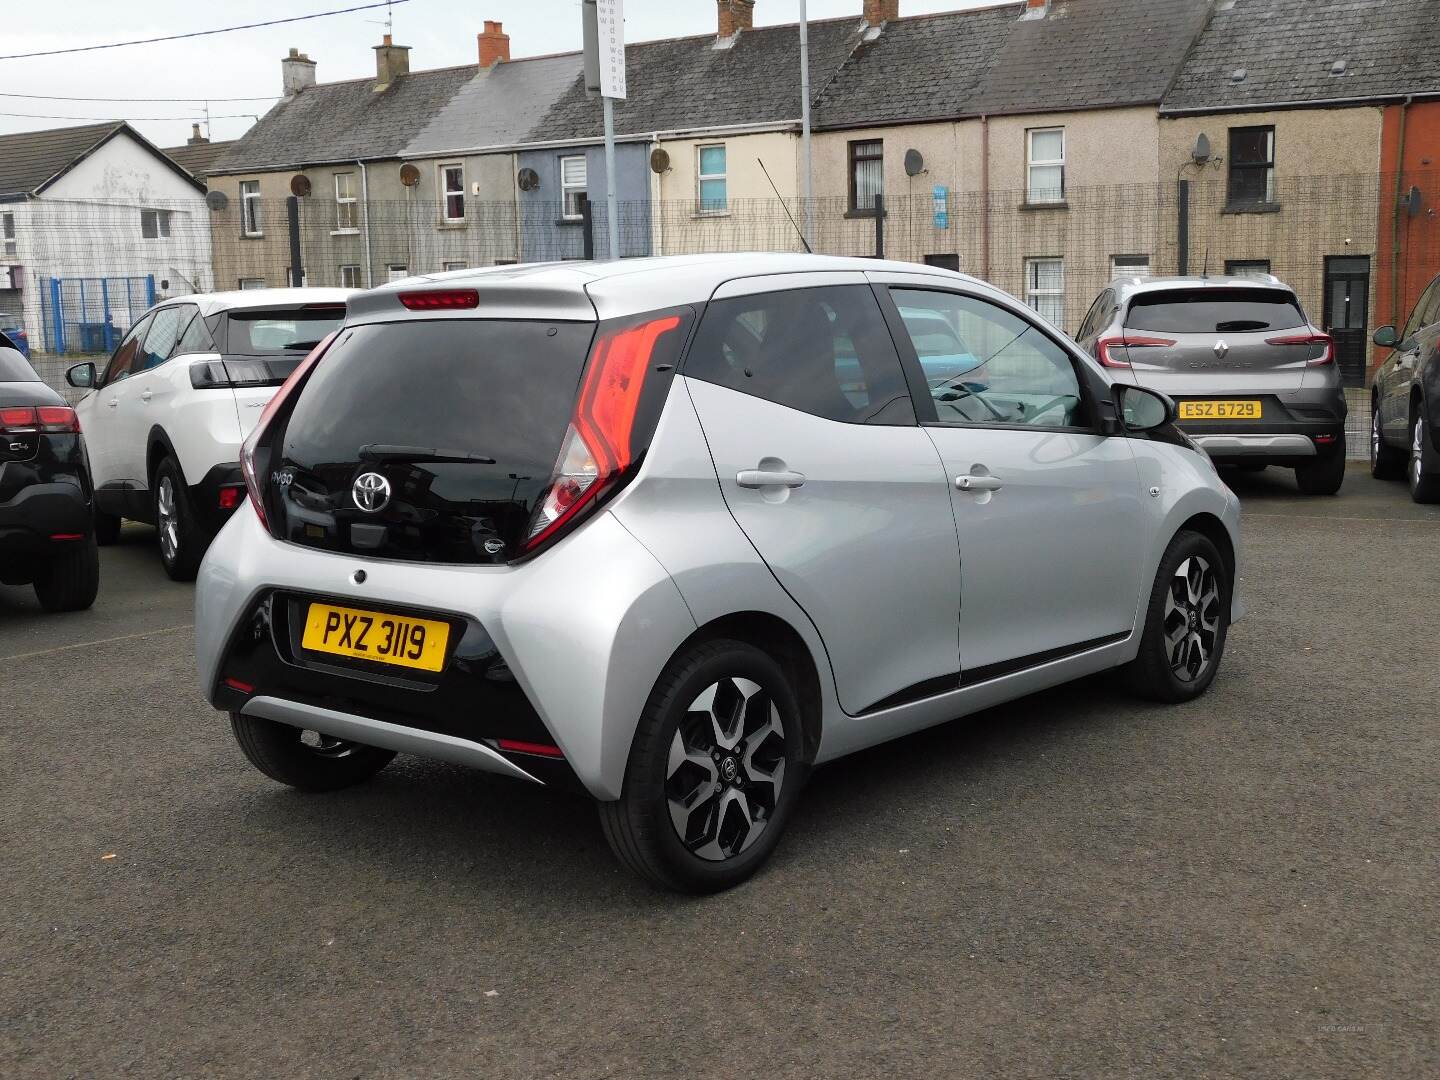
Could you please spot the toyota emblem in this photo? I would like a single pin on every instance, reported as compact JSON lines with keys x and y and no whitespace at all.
{"x":371,"y":492}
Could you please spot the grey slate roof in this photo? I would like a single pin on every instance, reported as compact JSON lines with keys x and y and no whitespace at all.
{"x":497,"y":106}
{"x":343,"y":121}
{"x":29,"y":158}
{"x":687,"y":84}
{"x":196,"y":158}
{"x":1391,"y":48}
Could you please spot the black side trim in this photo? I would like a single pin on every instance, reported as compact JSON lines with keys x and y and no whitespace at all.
{"x":941,"y":684}
{"x":988,"y":672}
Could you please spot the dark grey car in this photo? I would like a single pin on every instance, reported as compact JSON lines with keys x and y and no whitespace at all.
{"x":1256,"y":381}
{"x":1405,"y":401}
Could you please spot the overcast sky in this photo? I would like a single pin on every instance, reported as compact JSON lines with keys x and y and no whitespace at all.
{"x":247,"y":62}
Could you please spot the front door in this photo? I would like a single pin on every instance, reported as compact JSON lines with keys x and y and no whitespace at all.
{"x":1347,"y":313}
{"x":99,"y":412}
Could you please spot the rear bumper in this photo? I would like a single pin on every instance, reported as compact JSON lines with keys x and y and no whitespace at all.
{"x":205,"y":496}
{"x":1292,"y":430}
{"x":38,"y":513}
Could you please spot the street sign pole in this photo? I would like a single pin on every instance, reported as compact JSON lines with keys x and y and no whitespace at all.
{"x":805,"y":169}
{"x":603,"y":23}
{"x":612,"y":219}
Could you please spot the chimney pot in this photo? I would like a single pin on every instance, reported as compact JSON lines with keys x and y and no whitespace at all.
{"x":732,"y":16}
{"x":878,"y":12}
{"x":297,"y":72}
{"x":494,"y":44}
{"x":391,"y":62}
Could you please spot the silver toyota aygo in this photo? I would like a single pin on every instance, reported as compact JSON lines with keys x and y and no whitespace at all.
{"x":672,"y":532}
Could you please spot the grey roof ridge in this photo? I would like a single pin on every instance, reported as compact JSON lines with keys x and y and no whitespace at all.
{"x":1296,"y":103}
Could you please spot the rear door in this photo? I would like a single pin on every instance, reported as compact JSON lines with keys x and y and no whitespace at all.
{"x":811,"y":426}
{"x":137,"y":414}
{"x":262,"y":346}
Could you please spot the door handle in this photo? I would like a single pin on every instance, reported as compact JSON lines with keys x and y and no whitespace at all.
{"x":147,"y":395}
{"x":978,"y":483}
{"x":763,"y":478}
{"x":113,"y":402}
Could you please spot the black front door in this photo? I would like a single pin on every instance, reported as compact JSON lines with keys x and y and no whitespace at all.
{"x":1347,"y":313}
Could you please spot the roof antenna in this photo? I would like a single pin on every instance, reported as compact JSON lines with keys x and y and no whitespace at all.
{"x":773,"y":188}
{"x":1205,"y":269}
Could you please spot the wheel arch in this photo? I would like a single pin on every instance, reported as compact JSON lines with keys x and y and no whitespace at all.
{"x":158,"y":446}
{"x":1213,"y":529}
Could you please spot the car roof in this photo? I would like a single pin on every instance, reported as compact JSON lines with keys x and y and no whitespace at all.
{"x":215,"y":302}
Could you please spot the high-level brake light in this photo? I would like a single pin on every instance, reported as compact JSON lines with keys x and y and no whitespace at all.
{"x":440,"y":299}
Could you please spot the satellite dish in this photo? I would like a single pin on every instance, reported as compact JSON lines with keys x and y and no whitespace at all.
{"x":217,"y":200}
{"x":527,"y":179}
{"x":409,"y":175}
{"x":1414,"y":202}
{"x":659,"y":160}
{"x":1201,"y":153}
{"x":914,"y":163}
{"x":300,"y":185}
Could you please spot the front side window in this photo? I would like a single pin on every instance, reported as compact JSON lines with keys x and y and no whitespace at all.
{"x":350,"y":276}
{"x":8,"y":245}
{"x":120,"y":363}
{"x":1252,"y":165}
{"x":347,"y":211}
{"x":452,"y":192}
{"x":987,"y":365}
{"x":1247,"y":268}
{"x":572,"y":186}
{"x":823,"y":351}
{"x":1045,"y":165}
{"x":250,"y":208}
{"x":1045,"y":288}
{"x":867,"y":174}
{"x":713,"y":195}
{"x":154,"y":224}
{"x":1429,"y":300}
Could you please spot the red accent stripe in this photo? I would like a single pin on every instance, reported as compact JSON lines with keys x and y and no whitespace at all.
{"x":515,"y":746}
{"x":243,"y":687}
{"x":67,"y":536}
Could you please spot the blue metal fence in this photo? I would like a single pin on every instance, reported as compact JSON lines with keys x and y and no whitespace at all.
{"x":92,"y":314}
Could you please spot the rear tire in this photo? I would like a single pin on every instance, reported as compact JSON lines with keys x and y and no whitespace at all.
{"x":1423,"y":473}
{"x":182,"y":538}
{"x":1189,"y":610}
{"x":283,"y":753}
{"x":107,"y":528}
{"x":1252,"y":466}
{"x":1323,"y":476}
{"x":714,"y":772}
{"x":70,"y":580}
{"x":1386,"y":462}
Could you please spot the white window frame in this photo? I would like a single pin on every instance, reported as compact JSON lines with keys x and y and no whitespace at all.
{"x":453,"y":264}
{"x":347,"y":205}
{"x":251,"y":283}
{"x":1032,"y":163}
{"x":701,"y":176}
{"x":1130,"y":266}
{"x":447,"y":193}
{"x":571,"y":187}
{"x":396,"y":271}
{"x":250,"y":210}
{"x":1034,"y":294}
{"x":9,"y":242}
{"x":162,"y":224}
{"x":352,"y":271}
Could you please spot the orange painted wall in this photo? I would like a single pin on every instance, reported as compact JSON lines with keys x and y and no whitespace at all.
{"x":1400,"y":280}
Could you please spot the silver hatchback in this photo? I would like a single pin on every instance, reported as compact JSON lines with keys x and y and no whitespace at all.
{"x":1256,"y":382}
{"x":672,"y":532}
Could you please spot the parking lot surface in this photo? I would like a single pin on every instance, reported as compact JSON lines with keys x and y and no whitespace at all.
{"x":1075,"y":884}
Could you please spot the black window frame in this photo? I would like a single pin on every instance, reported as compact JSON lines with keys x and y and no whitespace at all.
{"x":855,"y":157}
{"x":1236,"y":169}
{"x":1232,"y":265}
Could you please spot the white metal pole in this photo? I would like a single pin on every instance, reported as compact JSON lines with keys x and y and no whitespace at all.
{"x":809,"y":180}
{"x":612,"y":219}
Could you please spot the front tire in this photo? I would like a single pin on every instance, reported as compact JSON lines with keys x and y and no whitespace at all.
{"x":1186,"y":622}
{"x":305,"y":759}
{"x":70,"y":580}
{"x":182,"y":538}
{"x":714,"y":772}
{"x":1324,"y":475}
{"x":1423,"y":474}
{"x":1386,"y":463}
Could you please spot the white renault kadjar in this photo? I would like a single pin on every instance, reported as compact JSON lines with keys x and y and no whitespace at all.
{"x":164,"y":421}
{"x":672,"y":532}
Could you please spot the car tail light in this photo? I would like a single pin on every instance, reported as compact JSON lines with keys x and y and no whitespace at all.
{"x":1107,"y":359}
{"x":249,"y":448}
{"x":598,"y":451}
{"x":230,"y":497}
{"x":1327,"y":354}
{"x":47,"y":419}
{"x":441,"y":299}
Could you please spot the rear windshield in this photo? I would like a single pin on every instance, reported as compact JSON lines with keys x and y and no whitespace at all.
{"x":1214,"y":311}
{"x":13,"y":367}
{"x":277,"y":332}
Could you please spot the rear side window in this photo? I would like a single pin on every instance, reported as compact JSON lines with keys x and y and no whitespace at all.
{"x":1214,"y":311}
{"x":165,"y":330}
{"x":13,"y":367}
{"x":823,"y":351}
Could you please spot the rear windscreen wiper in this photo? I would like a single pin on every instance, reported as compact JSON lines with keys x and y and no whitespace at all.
{"x":391,"y":452}
{"x":298,"y":345}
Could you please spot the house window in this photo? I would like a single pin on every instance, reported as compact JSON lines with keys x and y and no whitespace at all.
{"x":1247,"y":268}
{"x":154,"y":224}
{"x":867,"y":175}
{"x":1045,"y":165}
{"x":1130,"y":266}
{"x":572,"y":185}
{"x":252,"y":283}
{"x":8,"y":245}
{"x":396,"y":271}
{"x":1252,"y":166}
{"x":452,"y":191}
{"x":350,"y":276}
{"x":250,"y":208}
{"x":1045,"y":288}
{"x":454,"y":266}
{"x":713,"y":196}
{"x":347,"y":211}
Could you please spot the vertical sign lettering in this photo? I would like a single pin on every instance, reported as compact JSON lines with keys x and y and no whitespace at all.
{"x":611,"y":17}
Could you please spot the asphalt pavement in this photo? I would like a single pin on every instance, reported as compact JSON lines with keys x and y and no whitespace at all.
{"x":1073,"y":885}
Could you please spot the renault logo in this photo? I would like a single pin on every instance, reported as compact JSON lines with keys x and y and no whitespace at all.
{"x":1221,"y":349}
{"x":371,"y":492}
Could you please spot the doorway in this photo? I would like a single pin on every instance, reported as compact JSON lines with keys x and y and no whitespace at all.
{"x":1347,"y":313}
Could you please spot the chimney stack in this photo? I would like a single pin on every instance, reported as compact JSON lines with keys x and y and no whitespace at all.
{"x":1035,"y":9}
{"x":195,"y":136}
{"x":297,"y":72}
{"x":494,"y":45}
{"x":734,"y":16}
{"x":391,"y":62}
{"x":878,"y":12}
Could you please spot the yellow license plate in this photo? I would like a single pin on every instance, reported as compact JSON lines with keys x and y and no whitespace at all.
{"x":1219,"y":410}
{"x":372,"y":635}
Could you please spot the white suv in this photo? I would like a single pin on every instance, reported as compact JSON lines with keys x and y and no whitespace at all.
{"x":163,"y":423}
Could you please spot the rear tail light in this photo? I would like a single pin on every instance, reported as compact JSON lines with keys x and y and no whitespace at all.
{"x":251,"y":447}
{"x":515,"y":746}
{"x":230,"y":497}
{"x":1327,"y":354}
{"x":599,"y":449}
{"x":1110,"y":360}
{"x":47,"y":419}
{"x":441,"y":299}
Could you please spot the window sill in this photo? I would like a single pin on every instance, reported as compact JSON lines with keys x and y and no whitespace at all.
{"x":451,"y":223}
{"x":1059,"y":204}
{"x":1251,"y":208}
{"x":344,"y":232}
{"x":850,"y":215}
{"x":252,"y":236}
{"x":710,"y":214}
{"x":570,"y":221}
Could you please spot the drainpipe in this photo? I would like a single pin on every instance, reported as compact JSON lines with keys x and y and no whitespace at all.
{"x":365,"y":222}
{"x":515,"y":196}
{"x":1395,"y":312}
{"x":985,"y":195}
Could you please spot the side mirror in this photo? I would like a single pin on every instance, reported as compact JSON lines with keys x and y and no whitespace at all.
{"x":1143,"y":410}
{"x":1386,"y":337}
{"x":81,"y":376}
